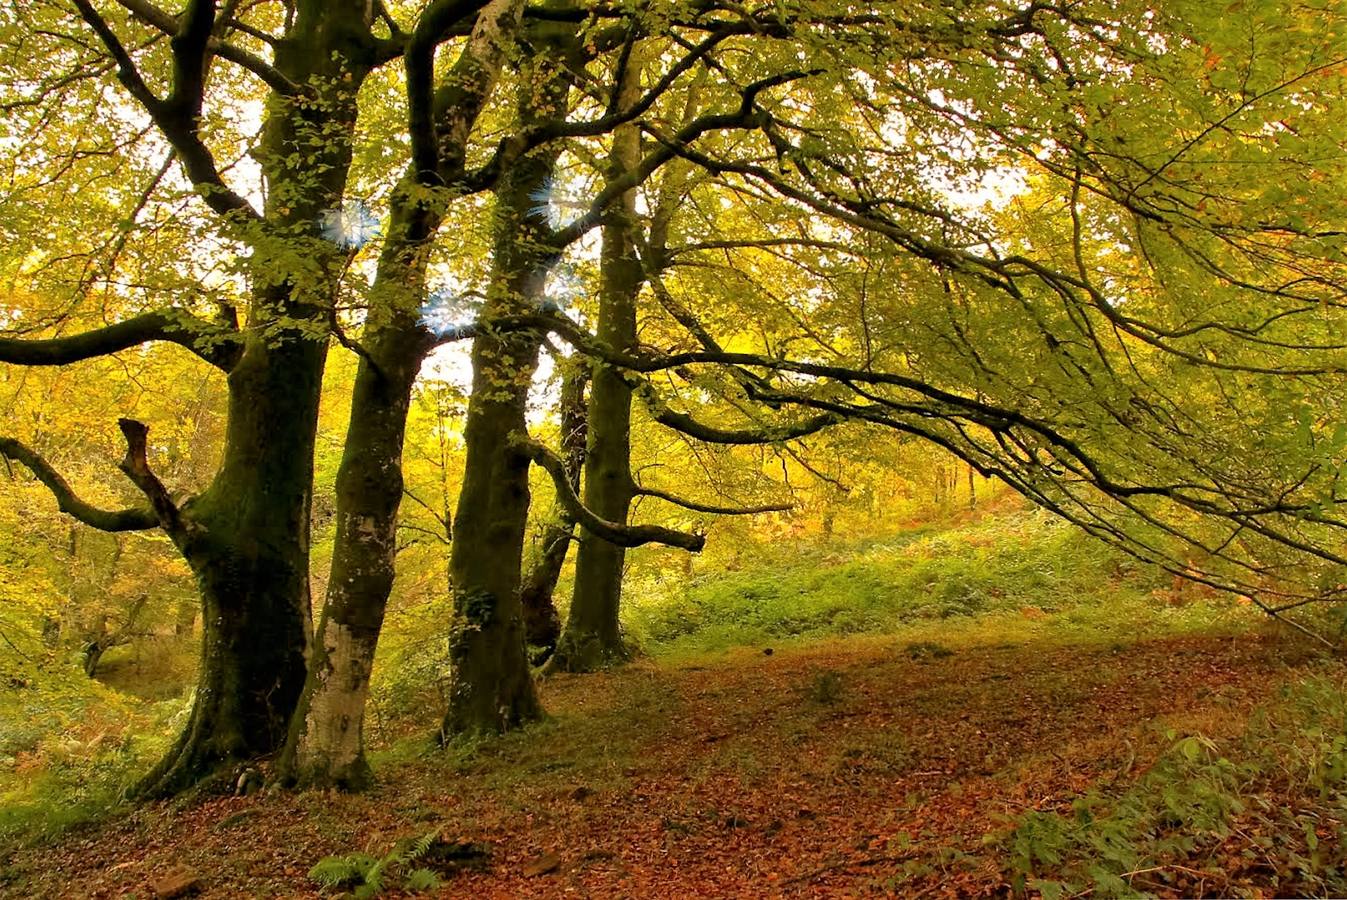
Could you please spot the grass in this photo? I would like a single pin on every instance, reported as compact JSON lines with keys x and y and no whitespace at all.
{"x":70,"y":746}
{"x":1269,"y":802}
{"x":1020,"y":574}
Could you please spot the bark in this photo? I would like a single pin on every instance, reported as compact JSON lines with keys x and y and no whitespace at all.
{"x":491,"y":689}
{"x":542,"y":624}
{"x":325,"y":744}
{"x":593,"y":637}
{"x":246,"y":537}
{"x":247,"y":541}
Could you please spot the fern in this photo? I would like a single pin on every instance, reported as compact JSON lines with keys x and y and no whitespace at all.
{"x":374,"y":878}
{"x":419,"y":880}
{"x":422,"y":845}
{"x":342,"y":871}
{"x":365,"y":874}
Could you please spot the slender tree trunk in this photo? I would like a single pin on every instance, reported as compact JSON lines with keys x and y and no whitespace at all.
{"x":542,"y":624}
{"x":184,"y":624}
{"x":325,"y":746}
{"x":491,"y":689}
{"x":593,"y":637}
{"x":92,"y":656}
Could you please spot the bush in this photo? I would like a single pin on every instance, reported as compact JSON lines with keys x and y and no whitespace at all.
{"x":69,"y":749}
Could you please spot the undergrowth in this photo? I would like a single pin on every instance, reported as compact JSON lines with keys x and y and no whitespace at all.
{"x":364,"y":875}
{"x":1210,"y":817}
{"x":1025,"y":563}
{"x":70,"y":747}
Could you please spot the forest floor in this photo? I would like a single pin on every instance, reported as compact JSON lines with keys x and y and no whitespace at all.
{"x":834,"y":768}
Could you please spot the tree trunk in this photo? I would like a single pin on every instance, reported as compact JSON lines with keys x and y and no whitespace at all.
{"x":249,"y":550}
{"x":542,"y":624}
{"x":246,"y":537}
{"x":491,"y":689}
{"x":184,"y":624}
{"x":325,"y":746}
{"x":92,"y":656}
{"x":593,"y":636}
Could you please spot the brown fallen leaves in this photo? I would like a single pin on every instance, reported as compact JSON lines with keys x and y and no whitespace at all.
{"x":734,"y":778}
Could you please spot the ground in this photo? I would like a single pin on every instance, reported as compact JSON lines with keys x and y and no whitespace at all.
{"x":834,"y":768}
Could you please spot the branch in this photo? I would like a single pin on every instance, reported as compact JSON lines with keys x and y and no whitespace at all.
{"x":191,"y":61}
{"x":612,"y":532}
{"x":133,"y":519}
{"x":166,"y":23}
{"x":218,"y":345}
{"x":737,"y":436}
{"x":748,"y":116}
{"x":178,"y":117}
{"x":715,"y":510}
{"x":516,"y":146}
{"x":435,"y":22}
{"x":136,"y":465}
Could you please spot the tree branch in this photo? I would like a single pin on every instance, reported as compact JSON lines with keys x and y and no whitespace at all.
{"x":133,"y":519}
{"x":715,"y":510}
{"x":612,"y":532}
{"x":435,"y":22}
{"x":136,"y":465}
{"x":178,"y":117}
{"x":218,"y":345}
{"x":734,"y":436}
{"x":748,"y":116}
{"x":166,"y":23}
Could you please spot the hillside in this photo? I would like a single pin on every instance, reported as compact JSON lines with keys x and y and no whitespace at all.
{"x":947,"y":738}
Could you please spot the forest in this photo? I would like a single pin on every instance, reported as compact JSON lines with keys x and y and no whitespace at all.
{"x":673,"y":448}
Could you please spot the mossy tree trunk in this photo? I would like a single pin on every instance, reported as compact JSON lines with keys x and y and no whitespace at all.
{"x":542,"y":624}
{"x":593,"y":636}
{"x":246,"y":538}
{"x":491,"y":687}
{"x":325,"y":745}
{"x":247,"y":542}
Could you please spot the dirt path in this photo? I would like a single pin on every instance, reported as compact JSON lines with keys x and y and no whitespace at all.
{"x":852,"y":768}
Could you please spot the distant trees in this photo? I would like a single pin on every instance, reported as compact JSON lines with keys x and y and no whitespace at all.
{"x":956,"y":225}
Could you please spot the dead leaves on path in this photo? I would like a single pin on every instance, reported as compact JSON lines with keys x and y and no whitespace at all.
{"x":743,"y":777}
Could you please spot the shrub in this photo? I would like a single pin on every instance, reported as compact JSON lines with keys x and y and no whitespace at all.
{"x":1279,"y":790}
{"x":995,"y":564}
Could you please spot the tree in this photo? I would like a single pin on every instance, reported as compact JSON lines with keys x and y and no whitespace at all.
{"x":1140,"y":337}
{"x":246,"y":535}
{"x":542,"y":624}
{"x":591,"y":636}
{"x":326,"y":744}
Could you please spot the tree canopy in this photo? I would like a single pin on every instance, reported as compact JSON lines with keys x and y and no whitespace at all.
{"x":1094,"y":251}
